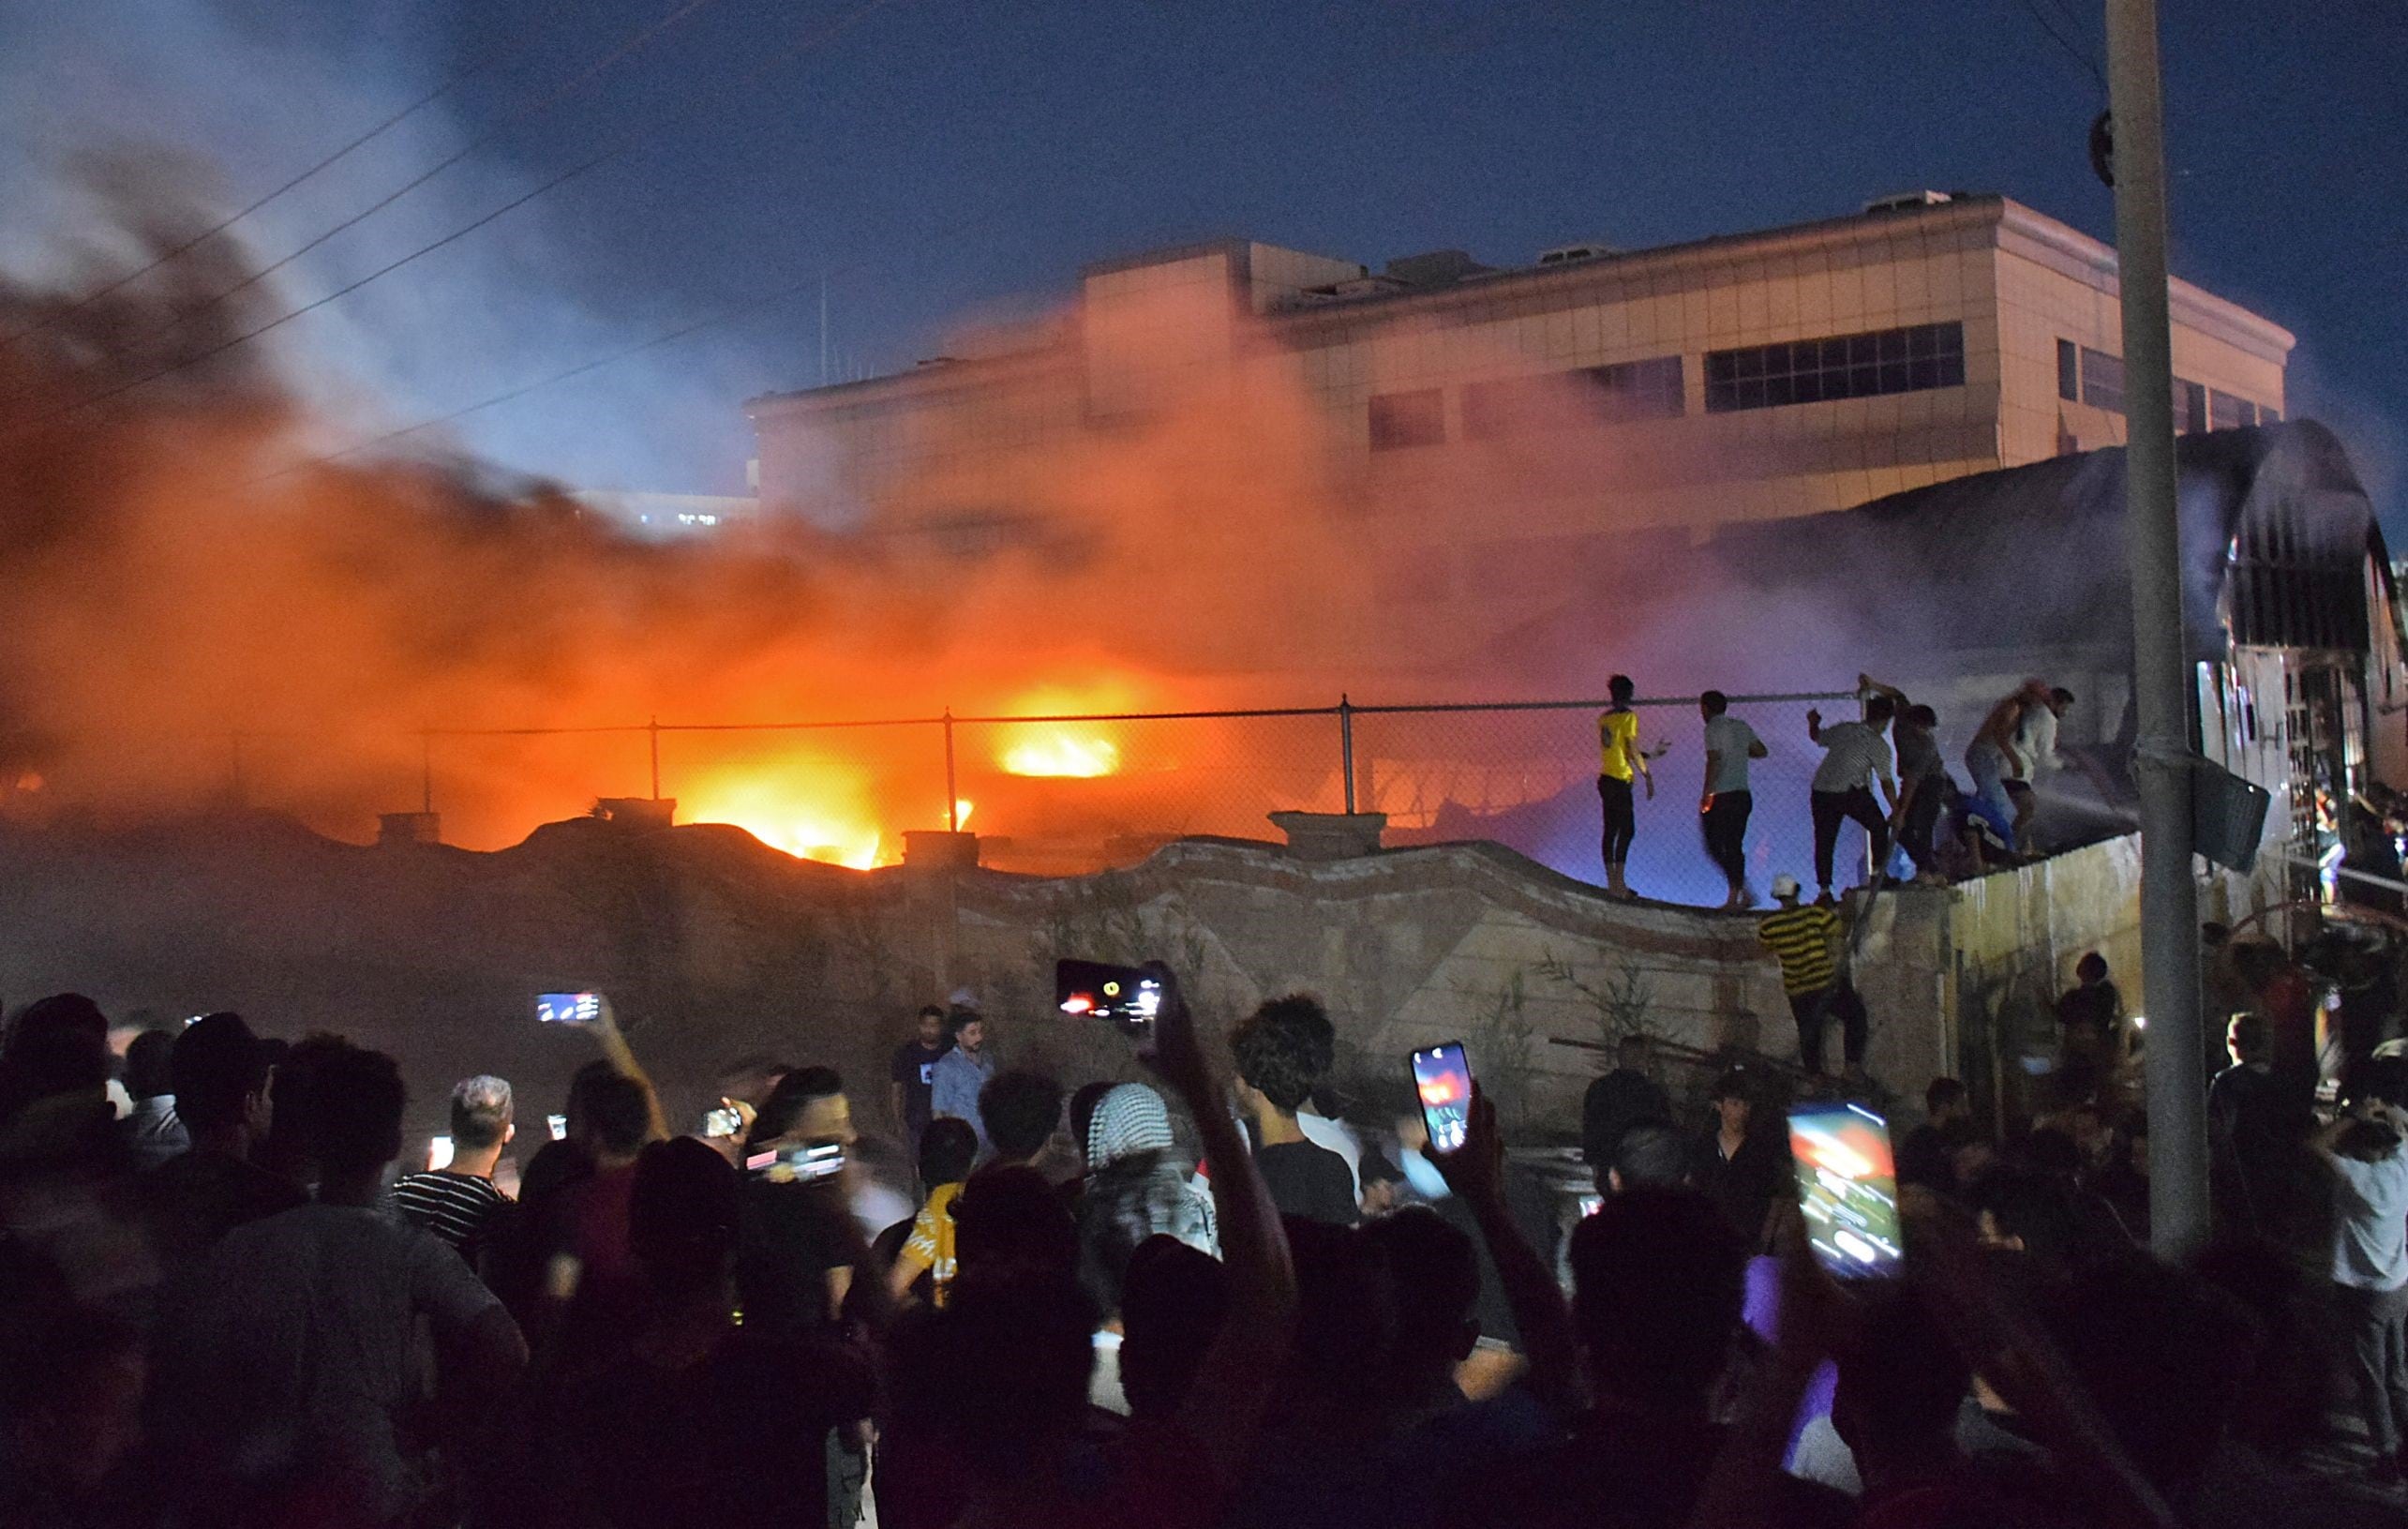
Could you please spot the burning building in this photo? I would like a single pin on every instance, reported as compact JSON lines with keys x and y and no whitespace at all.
{"x":1494,"y":438}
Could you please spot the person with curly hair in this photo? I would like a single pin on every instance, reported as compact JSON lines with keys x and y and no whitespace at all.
{"x":1283,"y":1049}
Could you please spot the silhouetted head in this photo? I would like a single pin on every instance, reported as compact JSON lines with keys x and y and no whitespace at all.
{"x":1651,"y":1155}
{"x":1943,"y":1099}
{"x":1020,"y":1109}
{"x":55,"y":1045}
{"x":1283,"y":1049}
{"x":946,"y":1150}
{"x":1620,"y":689}
{"x":220,"y":1072}
{"x":1659,"y":1280}
{"x":355,"y":1118}
{"x":1714,"y":703}
{"x":1879,"y":710}
{"x":148,"y":1070}
{"x":807,"y":1105}
{"x":1901,"y":1382}
{"x":610,"y":1114}
{"x":682,"y":1216}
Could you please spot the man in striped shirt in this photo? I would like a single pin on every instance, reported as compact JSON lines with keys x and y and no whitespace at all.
{"x":454,"y":1201}
{"x":1799,"y":936}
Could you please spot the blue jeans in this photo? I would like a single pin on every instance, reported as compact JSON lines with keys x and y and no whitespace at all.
{"x":1987,"y":764}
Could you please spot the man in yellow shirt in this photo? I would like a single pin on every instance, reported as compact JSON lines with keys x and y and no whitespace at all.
{"x":1621,"y":762}
{"x":1802,"y":937}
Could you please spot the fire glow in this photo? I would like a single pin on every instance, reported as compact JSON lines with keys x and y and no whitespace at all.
{"x":805,"y":807}
{"x":1063,"y":755}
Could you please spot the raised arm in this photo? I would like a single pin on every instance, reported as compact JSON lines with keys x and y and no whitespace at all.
{"x":1476,"y":1173}
{"x":622,"y":1059}
{"x":1233,"y":1387}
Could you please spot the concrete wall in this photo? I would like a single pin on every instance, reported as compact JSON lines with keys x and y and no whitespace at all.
{"x":714,"y":947}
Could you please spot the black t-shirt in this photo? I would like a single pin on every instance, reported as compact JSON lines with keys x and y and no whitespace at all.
{"x":788,"y":1236}
{"x":1309,"y":1181}
{"x":915,"y":1069}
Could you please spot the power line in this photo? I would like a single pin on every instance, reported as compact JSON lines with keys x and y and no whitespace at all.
{"x":625,"y":144}
{"x":725,"y":313}
{"x":584,"y":77}
{"x":457,"y":79}
{"x":2073,"y":49}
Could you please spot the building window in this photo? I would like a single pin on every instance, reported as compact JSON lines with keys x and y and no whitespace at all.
{"x":2069,"y":371}
{"x":1408,"y":419}
{"x":1637,"y":389}
{"x":2190,"y":408}
{"x":1907,"y":360}
{"x":2102,"y":380}
{"x":1501,"y":407}
{"x":2232,"y":414}
{"x":1628,"y":390}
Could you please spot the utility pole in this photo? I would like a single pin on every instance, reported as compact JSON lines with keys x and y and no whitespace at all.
{"x":2162,"y":759}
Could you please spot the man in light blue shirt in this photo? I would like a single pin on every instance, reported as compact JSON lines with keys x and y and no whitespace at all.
{"x":960,"y":1074}
{"x":2369,"y":1163}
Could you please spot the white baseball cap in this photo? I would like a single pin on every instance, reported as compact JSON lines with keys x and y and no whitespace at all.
{"x":1785,"y":886}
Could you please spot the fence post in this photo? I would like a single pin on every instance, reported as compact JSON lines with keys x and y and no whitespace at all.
{"x":652,"y":730}
{"x":952,"y":798}
{"x":1346,"y":748}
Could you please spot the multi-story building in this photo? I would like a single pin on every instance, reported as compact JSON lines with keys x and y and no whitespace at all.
{"x":1589,"y":396}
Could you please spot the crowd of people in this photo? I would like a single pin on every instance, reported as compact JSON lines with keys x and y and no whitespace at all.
{"x":1203,"y":1299}
{"x":1903,"y":798}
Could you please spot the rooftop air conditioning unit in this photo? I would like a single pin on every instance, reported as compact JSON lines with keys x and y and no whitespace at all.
{"x":1908,"y":201}
{"x":1566,"y":254}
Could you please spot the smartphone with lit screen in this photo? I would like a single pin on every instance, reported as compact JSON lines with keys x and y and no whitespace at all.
{"x":1442,"y":1083}
{"x":727,"y":1120}
{"x":1123,"y":996}
{"x":1847,"y":1189}
{"x":439,"y":1154}
{"x":558,"y":1125}
{"x":568,"y":1008}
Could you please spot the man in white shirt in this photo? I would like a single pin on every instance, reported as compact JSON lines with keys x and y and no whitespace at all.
{"x":2035,"y":752}
{"x":1856,"y":754}
{"x":1724,"y":807}
{"x":284,"y":1362}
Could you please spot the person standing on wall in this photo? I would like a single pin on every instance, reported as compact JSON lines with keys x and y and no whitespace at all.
{"x":1856,"y":754}
{"x":1621,"y":763}
{"x":2035,"y":752}
{"x":1724,"y":807}
{"x":1800,"y":937}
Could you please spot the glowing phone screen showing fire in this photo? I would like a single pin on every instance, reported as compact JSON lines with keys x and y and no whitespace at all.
{"x":1443,"y":1081}
{"x":1848,"y":1188}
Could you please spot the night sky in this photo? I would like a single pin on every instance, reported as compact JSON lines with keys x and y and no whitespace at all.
{"x":942,"y":160}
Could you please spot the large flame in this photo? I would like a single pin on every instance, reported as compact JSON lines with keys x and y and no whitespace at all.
{"x":807,"y":806}
{"x":1061,"y":752}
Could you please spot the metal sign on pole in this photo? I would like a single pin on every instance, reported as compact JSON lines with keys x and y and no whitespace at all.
{"x":2163,"y":758}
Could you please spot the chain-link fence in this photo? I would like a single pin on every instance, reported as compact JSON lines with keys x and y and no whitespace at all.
{"x":1061,"y":795}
